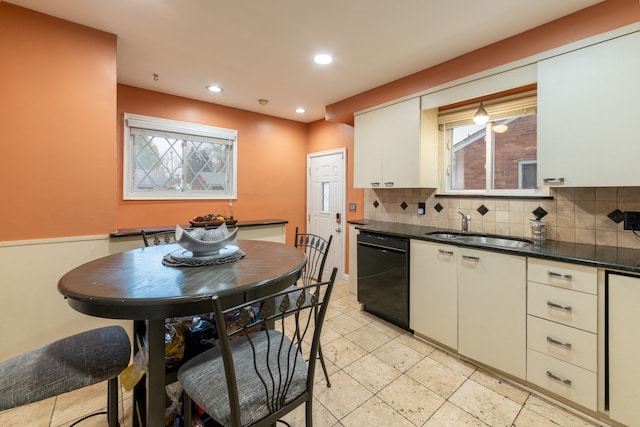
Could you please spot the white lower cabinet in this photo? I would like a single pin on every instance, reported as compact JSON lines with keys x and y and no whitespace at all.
{"x":492,"y":309}
{"x":564,"y":379}
{"x":533,"y":319}
{"x":433,"y":293}
{"x":576,"y":309}
{"x":623,"y":314}
{"x":570,"y":345}
{"x":353,"y":259}
{"x":562,"y":307}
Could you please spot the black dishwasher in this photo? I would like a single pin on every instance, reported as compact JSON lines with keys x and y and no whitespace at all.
{"x":383,"y":277}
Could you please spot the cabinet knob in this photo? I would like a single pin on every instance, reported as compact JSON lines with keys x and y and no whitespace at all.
{"x":375,"y":184}
{"x":388,"y":184}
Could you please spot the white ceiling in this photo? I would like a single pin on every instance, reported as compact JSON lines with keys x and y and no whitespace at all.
{"x":264,"y":48}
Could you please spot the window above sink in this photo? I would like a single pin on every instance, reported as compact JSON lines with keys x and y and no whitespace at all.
{"x":496,"y":158}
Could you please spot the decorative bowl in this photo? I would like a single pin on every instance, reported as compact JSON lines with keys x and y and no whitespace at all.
{"x":202,"y":242}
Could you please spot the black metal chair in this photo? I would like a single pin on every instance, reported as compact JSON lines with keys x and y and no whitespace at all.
{"x":158,"y":237}
{"x":257,"y":372}
{"x":316,"y":249}
{"x":65,"y":365}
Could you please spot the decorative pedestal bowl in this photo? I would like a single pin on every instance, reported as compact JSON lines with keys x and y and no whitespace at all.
{"x":203,"y":242}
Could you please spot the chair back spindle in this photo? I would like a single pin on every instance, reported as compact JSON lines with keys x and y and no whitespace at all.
{"x":158,"y":238}
{"x":316,"y":249}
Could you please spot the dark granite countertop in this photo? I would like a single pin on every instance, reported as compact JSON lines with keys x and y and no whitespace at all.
{"x":125,"y":232}
{"x":609,"y":257}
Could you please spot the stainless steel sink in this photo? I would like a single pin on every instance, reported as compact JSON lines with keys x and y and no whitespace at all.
{"x":443,"y":235}
{"x":482,"y":239}
{"x":502,"y":242}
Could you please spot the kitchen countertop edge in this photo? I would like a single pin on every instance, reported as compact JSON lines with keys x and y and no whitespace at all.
{"x":126,"y":232}
{"x":608,"y":257}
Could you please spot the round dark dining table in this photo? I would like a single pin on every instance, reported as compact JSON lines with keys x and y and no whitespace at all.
{"x":136,"y":285}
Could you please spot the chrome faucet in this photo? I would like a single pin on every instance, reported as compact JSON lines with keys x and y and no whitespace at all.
{"x":465,"y":222}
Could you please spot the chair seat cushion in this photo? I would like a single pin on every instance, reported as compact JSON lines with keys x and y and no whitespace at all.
{"x":67,"y":364}
{"x":203,"y":377}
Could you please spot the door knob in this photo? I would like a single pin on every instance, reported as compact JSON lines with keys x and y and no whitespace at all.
{"x":338,"y":229}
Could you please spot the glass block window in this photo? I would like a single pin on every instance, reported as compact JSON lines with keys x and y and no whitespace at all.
{"x":166,"y":159}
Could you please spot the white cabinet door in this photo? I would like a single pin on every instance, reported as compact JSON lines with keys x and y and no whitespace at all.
{"x":492,"y":309}
{"x":391,"y":150}
{"x":587,"y":115}
{"x":367,"y":161}
{"x":433,"y":293}
{"x":624,"y":348}
{"x":401,"y":145}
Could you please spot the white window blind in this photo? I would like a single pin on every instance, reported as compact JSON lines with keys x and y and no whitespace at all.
{"x":503,"y":108}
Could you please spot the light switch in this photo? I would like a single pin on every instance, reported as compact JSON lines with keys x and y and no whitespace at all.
{"x":352,"y":207}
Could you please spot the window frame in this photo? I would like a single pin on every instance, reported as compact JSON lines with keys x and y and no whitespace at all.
{"x":498,"y":109}
{"x":185,"y":128}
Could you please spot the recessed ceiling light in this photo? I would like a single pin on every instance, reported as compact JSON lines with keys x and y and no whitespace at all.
{"x":323,"y":59}
{"x":300,"y":110}
{"x":214,"y":88}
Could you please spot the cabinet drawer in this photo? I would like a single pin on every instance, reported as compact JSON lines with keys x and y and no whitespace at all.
{"x":571,"y":308}
{"x":571,"y":345}
{"x":562,"y":378}
{"x":564,"y":275}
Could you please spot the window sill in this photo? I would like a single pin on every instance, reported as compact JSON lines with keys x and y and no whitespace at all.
{"x":495,"y":196}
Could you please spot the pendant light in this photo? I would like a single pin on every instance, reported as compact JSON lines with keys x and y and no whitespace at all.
{"x":481,"y":116}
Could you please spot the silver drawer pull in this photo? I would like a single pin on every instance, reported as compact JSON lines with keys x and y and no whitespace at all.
{"x":557,"y":378}
{"x":560,"y":306}
{"x":443,"y":252}
{"x":471,"y":258}
{"x":375,"y":184}
{"x":388,"y":184}
{"x":558,"y":180}
{"x":555,"y":341}
{"x":559,"y":275}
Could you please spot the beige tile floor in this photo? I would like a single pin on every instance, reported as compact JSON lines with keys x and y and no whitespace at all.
{"x":380,"y":376}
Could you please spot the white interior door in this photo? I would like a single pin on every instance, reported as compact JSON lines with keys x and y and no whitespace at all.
{"x":326,"y":203}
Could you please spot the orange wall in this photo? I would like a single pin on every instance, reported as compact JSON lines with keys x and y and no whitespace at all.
{"x":61,"y":112}
{"x":271,"y":163}
{"x":57,"y":103}
{"x":61,"y":116}
{"x":602,"y":17}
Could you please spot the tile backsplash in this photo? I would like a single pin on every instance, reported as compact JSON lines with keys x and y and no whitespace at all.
{"x":577,"y":215}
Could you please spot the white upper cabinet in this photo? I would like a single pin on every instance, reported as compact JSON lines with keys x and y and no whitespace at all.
{"x":389,"y":150}
{"x":367,"y":161}
{"x":588,"y":124}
